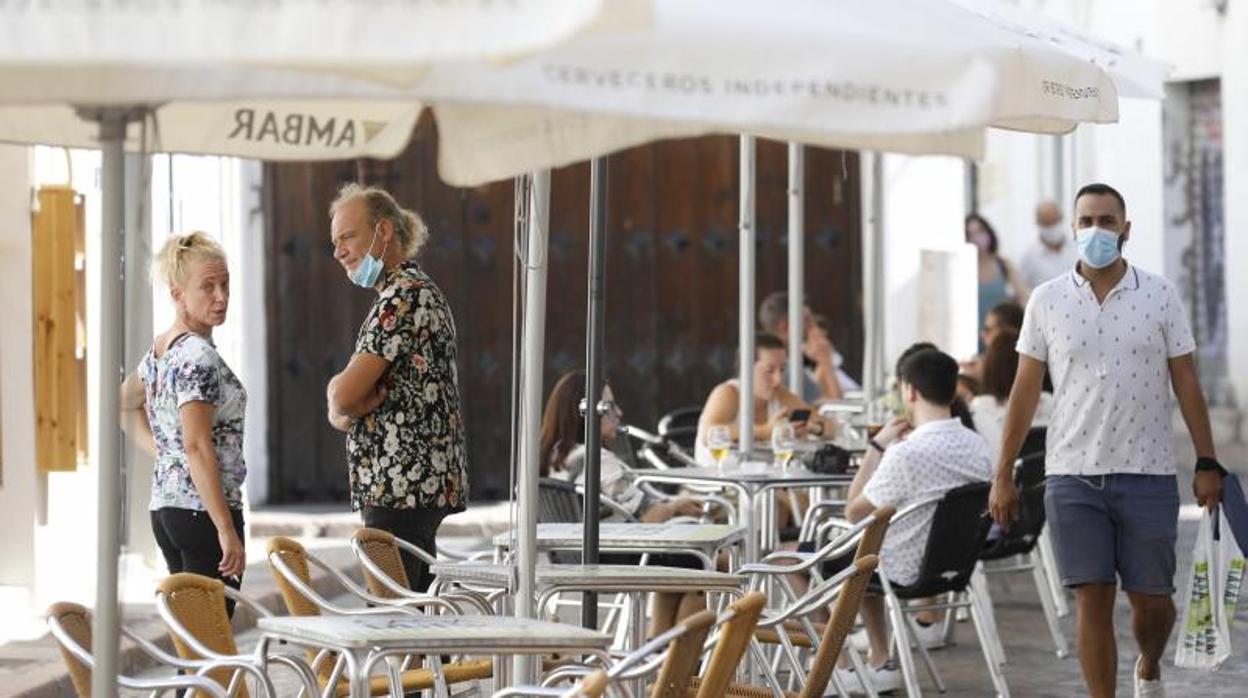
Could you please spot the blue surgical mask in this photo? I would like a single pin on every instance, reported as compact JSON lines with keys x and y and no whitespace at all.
{"x":1098,"y":248}
{"x":369,"y":269}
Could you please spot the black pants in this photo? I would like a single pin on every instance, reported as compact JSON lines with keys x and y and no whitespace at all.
{"x":416,"y":526}
{"x":188,"y":540}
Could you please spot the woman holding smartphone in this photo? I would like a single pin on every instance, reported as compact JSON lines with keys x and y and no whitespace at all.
{"x":774,"y":404}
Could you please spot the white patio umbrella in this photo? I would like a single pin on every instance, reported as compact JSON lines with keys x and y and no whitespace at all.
{"x":899,"y":75}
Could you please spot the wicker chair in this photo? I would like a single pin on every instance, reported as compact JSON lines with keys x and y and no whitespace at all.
{"x":290,"y":563}
{"x":674,"y":654}
{"x":736,"y":633}
{"x":380,"y":556}
{"x":70,"y":624}
{"x":193,"y":607}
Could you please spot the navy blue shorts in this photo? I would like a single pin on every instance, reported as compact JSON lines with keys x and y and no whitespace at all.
{"x":1107,"y":528}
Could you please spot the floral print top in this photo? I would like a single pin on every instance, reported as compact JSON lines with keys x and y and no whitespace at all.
{"x":192,"y":370}
{"x":409,"y":453}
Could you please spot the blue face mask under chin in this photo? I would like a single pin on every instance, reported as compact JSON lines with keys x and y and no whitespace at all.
{"x":369,"y":269}
{"x":1098,"y":248}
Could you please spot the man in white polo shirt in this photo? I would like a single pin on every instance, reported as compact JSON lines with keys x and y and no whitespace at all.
{"x":1115,"y":340}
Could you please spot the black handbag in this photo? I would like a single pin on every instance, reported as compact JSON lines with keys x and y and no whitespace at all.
{"x":831,"y":459}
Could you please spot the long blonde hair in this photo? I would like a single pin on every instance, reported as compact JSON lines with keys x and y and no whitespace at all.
{"x":380,"y":205}
{"x":172,"y":263}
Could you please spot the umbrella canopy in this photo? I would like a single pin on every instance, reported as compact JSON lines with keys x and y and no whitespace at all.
{"x":911,"y":76}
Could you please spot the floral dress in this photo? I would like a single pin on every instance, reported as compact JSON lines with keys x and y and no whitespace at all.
{"x":191,"y":370}
{"x":409,"y":453}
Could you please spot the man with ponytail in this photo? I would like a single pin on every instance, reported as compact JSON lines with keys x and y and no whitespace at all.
{"x":398,"y":397}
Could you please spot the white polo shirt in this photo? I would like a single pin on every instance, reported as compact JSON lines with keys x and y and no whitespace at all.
{"x":1111,"y":382}
{"x":933,"y":459}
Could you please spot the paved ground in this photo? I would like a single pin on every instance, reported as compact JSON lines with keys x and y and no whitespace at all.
{"x":34,"y":668}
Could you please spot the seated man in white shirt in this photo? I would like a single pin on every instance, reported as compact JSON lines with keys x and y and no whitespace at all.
{"x":926,"y":452}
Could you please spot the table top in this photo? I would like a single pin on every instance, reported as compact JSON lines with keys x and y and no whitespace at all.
{"x":752,"y":473}
{"x":635,"y":535}
{"x":432,"y":633}
{"x":600,"y":577}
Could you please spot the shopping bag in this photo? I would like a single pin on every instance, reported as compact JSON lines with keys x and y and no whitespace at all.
{"x":1212,"y":592}
{"x":1230,"y":566}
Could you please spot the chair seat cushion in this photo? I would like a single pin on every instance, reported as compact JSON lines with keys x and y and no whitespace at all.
{"x":420,"y":679}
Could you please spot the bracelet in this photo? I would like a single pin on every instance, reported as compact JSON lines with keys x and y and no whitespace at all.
{"x":1203,"y":464}
{"x":875,"y":444}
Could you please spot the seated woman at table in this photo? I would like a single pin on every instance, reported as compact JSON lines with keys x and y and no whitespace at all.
{"x":774,"y":404}
{"x":562,"y":455}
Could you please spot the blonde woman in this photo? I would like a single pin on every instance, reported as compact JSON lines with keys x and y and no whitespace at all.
{"x":185,"y":406}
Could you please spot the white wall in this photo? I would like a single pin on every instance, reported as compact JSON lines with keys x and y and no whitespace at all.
{"x":1235,"y":132}
{"x":17,"y":438}
{"x":923,"y":209}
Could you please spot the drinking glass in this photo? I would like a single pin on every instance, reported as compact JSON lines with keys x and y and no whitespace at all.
{"x":783,"y":441}
{"x":719,"y":441}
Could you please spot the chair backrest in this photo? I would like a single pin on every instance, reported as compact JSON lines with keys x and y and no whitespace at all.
{"x":873,"y":537}
{"x":844,"y":612}
{"x":955,"y":540}
{"x":1029,"y":470}
{"x":295,"y":557}
{"x":1022,"y":535}
{"x":735,"y":635}
{"x":198,"y":604}
{"x":382,"y":551}
{"x":682,"y":656}
{"x":680,"y":426}
{"x":558,"y":501}
{"x":75,"y":621}
{"x":1034,"y":442}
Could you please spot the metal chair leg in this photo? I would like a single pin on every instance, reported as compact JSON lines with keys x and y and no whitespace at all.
{"x":901,"y":640}
{"x":979,"y":582}
{"x":985,"y":644}
{"x":1039,"y":573}
{"x":1049,"y":558}
{"x":927,"y":656}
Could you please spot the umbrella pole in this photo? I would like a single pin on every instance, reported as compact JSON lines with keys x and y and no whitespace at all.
{"x":797,"y":254}
{"x":594,"y":356}
{"x":746,"y":290}
{"x":531,"y":359}
{"x":873,"y":366}
{"x":109,"y":375}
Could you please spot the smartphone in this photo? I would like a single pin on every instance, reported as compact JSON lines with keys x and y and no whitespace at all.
{"x":799,"y":415}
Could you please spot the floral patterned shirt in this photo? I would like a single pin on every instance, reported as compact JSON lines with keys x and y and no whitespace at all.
{"x":191,"y":370}
{"x":409,"y":453}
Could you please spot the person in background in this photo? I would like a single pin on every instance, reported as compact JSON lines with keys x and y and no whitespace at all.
{"x":185,"y":406}
{"x":398,"y":397}
{"x":1000,"y":363}
{"x":1006,"y":316}
{"x":998,"y":279}
{"x":1052,"y":254}
{"x":562,"y":455}
{"x":819,"y":379}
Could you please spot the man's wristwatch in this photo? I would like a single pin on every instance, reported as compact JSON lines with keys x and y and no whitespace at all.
{"x":875,"y":444}
{"x":1203,"y":464}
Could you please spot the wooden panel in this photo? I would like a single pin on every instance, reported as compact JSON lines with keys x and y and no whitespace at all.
{"x":671,"y":286}
{"x":54,"y":233}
